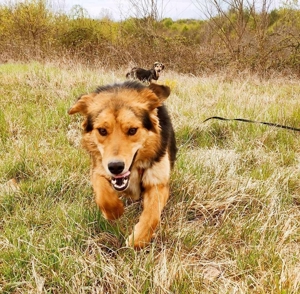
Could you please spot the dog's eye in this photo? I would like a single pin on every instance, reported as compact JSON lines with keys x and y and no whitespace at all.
{"x":102,"y":131}
{"x":132,"y":131}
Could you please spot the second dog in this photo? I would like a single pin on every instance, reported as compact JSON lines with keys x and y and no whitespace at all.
{"x":146,"y":75}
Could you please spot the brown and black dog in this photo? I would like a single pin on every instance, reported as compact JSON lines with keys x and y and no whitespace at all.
{"x":129,"y":135}
{"x":146,"y":75}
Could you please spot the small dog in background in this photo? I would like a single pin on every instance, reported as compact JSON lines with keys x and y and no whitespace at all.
{"x":146,"y":75}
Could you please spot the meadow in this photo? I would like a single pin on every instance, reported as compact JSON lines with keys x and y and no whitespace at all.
{"x":232,"y":221}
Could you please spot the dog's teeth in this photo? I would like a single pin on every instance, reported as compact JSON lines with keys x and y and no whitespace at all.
{"x":120,"y":184}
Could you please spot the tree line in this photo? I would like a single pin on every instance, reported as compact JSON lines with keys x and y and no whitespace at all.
{"x":236,"y":37}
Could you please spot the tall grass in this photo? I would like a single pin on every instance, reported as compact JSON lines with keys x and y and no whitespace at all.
{"x":231,"y":224}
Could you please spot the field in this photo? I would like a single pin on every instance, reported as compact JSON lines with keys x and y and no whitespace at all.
{"x":232,"y":221}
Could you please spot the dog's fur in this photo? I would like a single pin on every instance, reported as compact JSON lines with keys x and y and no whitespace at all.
{"x":146,"y":75}
{"x":129,"y":135}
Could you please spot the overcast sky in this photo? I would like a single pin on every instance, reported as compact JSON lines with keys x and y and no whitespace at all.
{"x":122,"y":9}
{"x":176,"y":9}
{"x":117,"y":9}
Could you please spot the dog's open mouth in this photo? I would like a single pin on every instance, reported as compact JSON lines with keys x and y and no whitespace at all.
{"x":120,"y":182}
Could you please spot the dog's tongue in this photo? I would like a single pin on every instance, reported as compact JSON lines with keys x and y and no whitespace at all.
{"x":120,"y":182}
{"x":122,"y":175}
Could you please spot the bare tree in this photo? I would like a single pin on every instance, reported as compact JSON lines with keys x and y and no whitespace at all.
{"x":240,"y":25}
{"x":146,"y":29}
{"x":153,"y":9}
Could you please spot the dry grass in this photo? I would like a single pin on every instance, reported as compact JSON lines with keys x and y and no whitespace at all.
{"x":232,"y":222}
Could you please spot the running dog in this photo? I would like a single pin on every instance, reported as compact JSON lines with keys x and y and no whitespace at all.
{"x":129,"y":135}
{"x":146,"y":75}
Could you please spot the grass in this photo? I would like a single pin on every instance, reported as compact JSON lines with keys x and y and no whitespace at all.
{"x":231,"y":224}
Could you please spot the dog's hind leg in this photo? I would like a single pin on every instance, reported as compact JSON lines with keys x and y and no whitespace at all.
{"x":155,"y":199}
{"x":106,"y":198}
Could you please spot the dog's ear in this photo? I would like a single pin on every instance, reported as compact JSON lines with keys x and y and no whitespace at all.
{"x":161,"y":91}
{"x":82,"y":104}
{"x":162,"y":66}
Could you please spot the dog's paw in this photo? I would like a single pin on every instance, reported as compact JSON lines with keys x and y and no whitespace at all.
{"x":133,"y":243}
{"x":137,"y":243}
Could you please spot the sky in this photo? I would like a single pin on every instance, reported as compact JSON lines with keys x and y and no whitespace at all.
{"x":117,"y":9}
{"x":122,"y":9}
{"x":175,"y":9}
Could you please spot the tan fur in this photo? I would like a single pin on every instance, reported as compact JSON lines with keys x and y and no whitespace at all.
{"x":118,"y":112}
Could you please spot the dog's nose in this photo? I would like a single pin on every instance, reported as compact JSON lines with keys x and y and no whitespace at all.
{"x":116,"y":167}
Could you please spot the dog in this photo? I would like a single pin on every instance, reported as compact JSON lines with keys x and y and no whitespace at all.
{"x":146,"y":75}
{"x":129,"y":135}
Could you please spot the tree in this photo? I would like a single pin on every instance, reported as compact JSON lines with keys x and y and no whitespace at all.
{"x":241,"y":27}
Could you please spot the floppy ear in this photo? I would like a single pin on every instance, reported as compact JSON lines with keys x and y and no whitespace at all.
{"x":162,"y":66}
{"x":161,"y":91}
{"x":161,"y":94}
{"x":82,"y":104}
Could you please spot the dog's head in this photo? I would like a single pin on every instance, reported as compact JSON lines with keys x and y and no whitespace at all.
{"x":120,"y":124}
{"x":158,"y":67}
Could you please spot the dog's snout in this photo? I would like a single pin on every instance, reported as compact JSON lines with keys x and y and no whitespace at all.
{"x":116,"y":167}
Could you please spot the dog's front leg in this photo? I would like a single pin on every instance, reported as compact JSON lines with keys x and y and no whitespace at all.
{"x":155,"y":199}
{"x":107,"y":198}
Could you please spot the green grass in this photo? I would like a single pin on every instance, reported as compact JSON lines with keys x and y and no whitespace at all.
{"x":231,"y":224}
